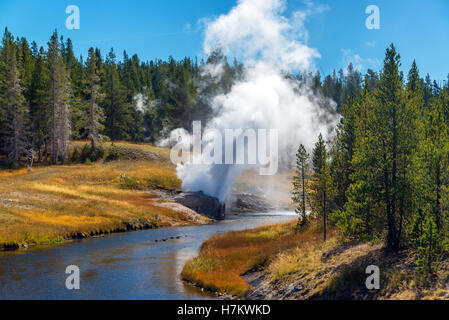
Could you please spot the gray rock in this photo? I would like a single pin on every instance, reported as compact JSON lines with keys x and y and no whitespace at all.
{"x":9,"y":246}
{"x":249,"y":203}
{"x":203,"y":204}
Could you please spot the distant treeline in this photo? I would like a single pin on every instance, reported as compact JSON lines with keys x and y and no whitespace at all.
{"x":49,"y":97}
{"x":385,"y":174}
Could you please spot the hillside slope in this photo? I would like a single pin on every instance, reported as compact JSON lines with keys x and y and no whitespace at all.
{"x":276,"y":263}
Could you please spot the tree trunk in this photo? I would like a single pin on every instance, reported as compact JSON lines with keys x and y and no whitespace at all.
{"x":324,"y":215}
{"x":391,"y":235}
{"x":54,"y":148}
{"x":438,"y":200}
{"x":303,"y":194}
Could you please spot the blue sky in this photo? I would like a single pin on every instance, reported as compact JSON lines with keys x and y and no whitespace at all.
{"x":158,"y":29}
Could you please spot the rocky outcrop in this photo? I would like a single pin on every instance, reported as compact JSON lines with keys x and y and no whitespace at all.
{"x":189,"y":213}
{"x":203,"y":204}
{"x":250,"y":203}
{"x":9,"y":246}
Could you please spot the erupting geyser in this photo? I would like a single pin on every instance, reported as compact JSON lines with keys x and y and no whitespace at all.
{"x":270,"y":46}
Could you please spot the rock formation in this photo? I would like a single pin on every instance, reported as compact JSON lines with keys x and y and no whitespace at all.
{"x":249,"y":203}
{"x":203,"y":204}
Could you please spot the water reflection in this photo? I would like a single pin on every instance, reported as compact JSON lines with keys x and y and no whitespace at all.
{"x":135,"y":265}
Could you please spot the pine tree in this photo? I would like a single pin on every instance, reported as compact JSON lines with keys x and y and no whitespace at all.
{"x":12,"y":102}
{"x":386,"y":135}
{"x":115,"y":107}
{"x":59,"y":101}
{"x":39,"y":104}
{"x":431,"y":248}
{"x":95,"y":112}
{"x":362,"y":211}
{"x":411,"y":132}
{"x":435,"y":156}
{"x":320,"y":182}
{"x":26,"y":67}
{"x":342,"y":153}
{"x":299,"y":185}
{"x":386,"y":129}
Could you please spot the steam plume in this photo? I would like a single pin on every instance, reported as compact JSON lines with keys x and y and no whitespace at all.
{"x":270,"y":45}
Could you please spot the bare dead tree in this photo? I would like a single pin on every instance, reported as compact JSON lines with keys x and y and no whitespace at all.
{"x":31,"y":156}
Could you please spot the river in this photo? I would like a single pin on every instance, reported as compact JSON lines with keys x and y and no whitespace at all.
{"x":132,"y":265}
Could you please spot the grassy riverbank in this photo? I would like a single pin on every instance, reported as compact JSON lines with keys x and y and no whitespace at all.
{"x":224,"y":258}
{"x":56,"y":202}
{"x":273,"y":262}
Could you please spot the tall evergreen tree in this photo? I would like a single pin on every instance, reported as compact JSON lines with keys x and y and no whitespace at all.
{"x":386,"y":127}
{"x":320,"y":182}
{"x":94,"y":97}
{"x":436,"y":161}
{"x":386,"y":140}
{"x":299,"y":185}
{"x":59,"y":101}
{"x":12,"y":102}
{"x":39,"y":104}
{"x":342,"y":152}
{"x":114,"y":104}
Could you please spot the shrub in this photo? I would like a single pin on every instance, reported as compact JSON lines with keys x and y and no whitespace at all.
{"x":85,"y":153}
{"x":113,"y":153}
{"x":417,"y":229}
{"x":75,"y":158}
{"x":129,"y":183}
{"x":431,"y":248}
{"x":96,"y":154}
{"x":88,"y":154}
{"x":105,"y":139}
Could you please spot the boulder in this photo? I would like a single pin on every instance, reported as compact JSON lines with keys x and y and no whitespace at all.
{"x":202,"y":203}
{"x":250,"y":203}
{"x":9,"y":246}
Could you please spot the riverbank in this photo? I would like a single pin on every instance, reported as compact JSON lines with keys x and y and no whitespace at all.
{"x":53,"y":203}
{"x":134,"y":191}
{"x":225,"y":257}
{"x":275,"y":263}
{"x":142,"y":265}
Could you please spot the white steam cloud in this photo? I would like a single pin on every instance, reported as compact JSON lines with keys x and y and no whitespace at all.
{"x":270,"y":45}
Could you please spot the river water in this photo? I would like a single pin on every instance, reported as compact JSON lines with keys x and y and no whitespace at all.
{"x":133,"y":265}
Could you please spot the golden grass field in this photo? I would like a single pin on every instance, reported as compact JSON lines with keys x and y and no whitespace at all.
{"x":224,"y":258}
{"x":50,"y":203}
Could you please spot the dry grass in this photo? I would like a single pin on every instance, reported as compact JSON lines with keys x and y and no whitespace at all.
{"x":338,"y":271}
{"x":301,"y":266}
{"x":50,"y":203}
{"x":131,"y":150}
{"x":224,"y":258}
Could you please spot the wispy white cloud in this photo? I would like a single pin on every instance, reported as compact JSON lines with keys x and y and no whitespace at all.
{"x":299,"y":18}
{"x":272,"y":36}
{"x":360,"y":63}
